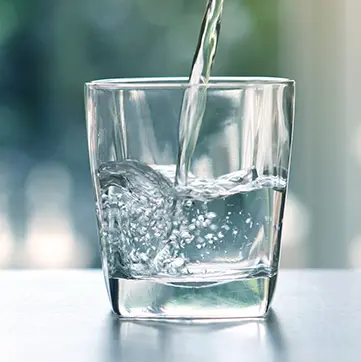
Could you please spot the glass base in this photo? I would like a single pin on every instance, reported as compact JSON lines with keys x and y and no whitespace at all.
{"x":150,"y":299}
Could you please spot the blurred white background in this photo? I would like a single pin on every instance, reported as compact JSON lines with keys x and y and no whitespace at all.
{"x":49,"y":49}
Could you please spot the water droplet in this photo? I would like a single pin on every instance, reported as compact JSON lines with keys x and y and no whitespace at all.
{"x":199,"y":246}
{"x":248,"y":220}
{"x":220,"y":235}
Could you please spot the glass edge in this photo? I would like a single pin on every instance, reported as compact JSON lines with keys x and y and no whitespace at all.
{"x":182,"y":82}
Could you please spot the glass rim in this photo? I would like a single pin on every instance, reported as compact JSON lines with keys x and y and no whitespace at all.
{"x":183,"y":82}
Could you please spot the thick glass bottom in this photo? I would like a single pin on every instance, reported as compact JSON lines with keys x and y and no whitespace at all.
{"x":152,"y":299}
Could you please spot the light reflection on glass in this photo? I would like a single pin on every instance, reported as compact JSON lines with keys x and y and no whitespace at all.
{"x":251,"y":340}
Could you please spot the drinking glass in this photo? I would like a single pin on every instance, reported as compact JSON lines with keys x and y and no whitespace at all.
{"x":190,"y":215}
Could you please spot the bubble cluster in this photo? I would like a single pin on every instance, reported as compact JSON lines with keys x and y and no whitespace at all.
{"x":149,"y":228}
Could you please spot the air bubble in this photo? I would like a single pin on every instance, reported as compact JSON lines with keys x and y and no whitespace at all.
{"x":200,"y":240}
{"x":213,"y":227}
{"x":185,"y":235}
{"x":188,"y":203}
{"x":206,"y":223}
{"x":211,"y":215}
{"x":177,"y":263}
{"x":226,"y":227}
{"x":143,"y":257}
{"x":173,"y":237}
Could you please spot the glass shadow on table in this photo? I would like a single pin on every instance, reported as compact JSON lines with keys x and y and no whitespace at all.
{"x":252,"y":340}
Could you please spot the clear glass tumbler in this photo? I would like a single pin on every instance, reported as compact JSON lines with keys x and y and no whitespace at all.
{"x":205,"y":245}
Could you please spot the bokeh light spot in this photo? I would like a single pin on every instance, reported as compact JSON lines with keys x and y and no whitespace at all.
{"x":8,"y":20}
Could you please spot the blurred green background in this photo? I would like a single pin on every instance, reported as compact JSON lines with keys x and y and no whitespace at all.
{"x":48,"y":49}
